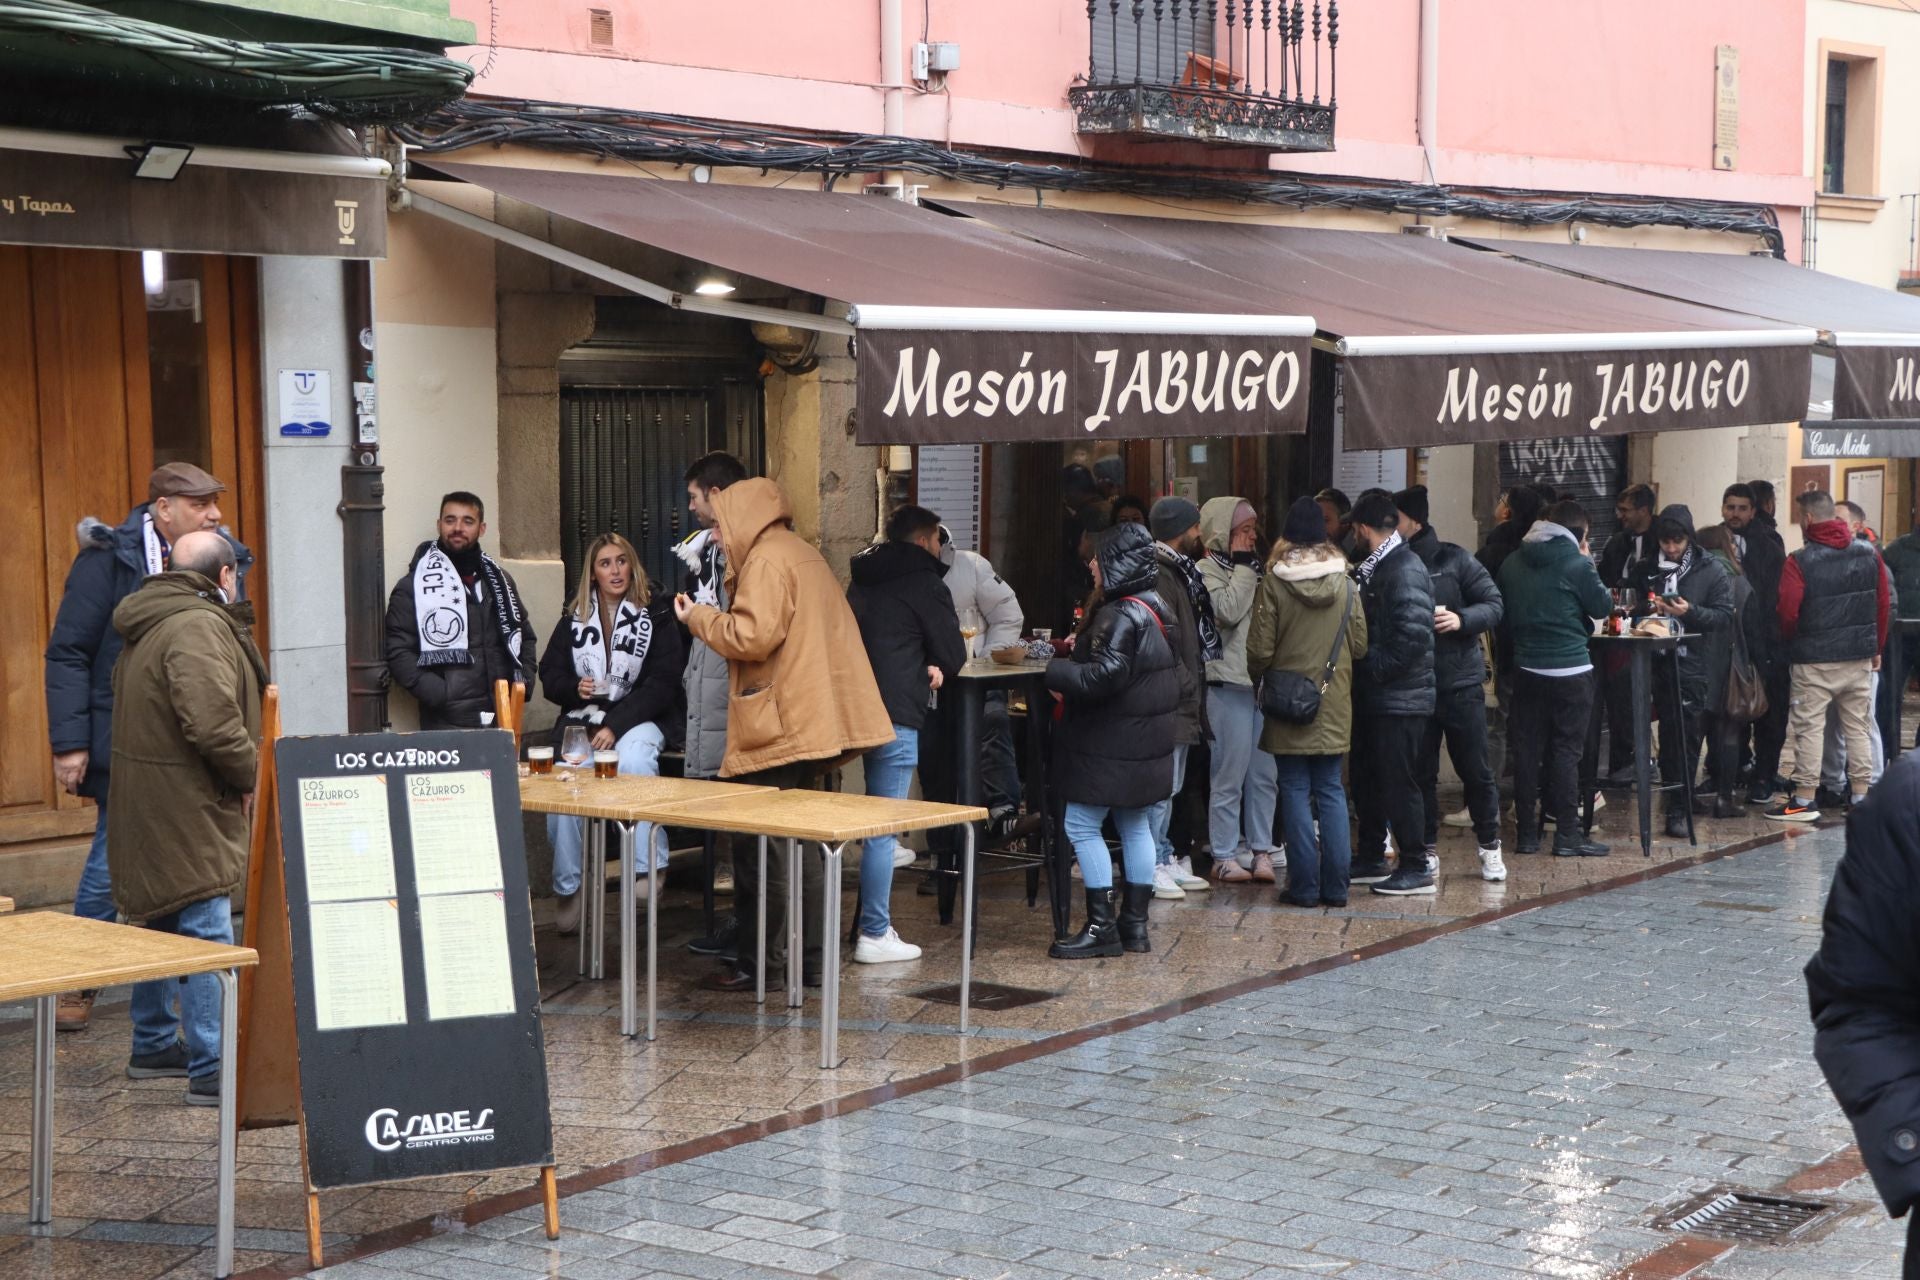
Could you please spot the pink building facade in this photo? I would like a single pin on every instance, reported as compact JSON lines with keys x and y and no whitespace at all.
{"x":1459,"y":117}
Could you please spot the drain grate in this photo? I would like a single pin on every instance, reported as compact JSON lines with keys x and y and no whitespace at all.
{"x":1726,"y":1214}
{"x":986,"y":995}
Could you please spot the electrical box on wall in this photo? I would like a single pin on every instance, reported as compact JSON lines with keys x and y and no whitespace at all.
{"x":935,"y":58}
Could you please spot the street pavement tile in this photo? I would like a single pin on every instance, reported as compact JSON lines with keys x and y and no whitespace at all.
{"x":1548,"y":1157}
{"x":1258,"y":1098}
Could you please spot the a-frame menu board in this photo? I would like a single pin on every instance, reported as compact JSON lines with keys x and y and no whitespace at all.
{"x":409,"y":949}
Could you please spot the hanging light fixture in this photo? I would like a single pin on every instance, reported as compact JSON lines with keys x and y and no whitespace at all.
{"x":713,"y":283}
{"x":153,"y":272}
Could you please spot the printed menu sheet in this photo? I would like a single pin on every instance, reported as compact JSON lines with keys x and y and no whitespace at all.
{"x":343,"y":824}
{"x":469,"y":970}
{"x":357,"y":978}
{"x":455,"y":846}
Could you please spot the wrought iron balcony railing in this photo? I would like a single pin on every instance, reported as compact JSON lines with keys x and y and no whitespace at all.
{"x":1246,"y":73}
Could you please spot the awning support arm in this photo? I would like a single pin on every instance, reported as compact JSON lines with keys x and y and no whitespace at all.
{"x":407,"y":198}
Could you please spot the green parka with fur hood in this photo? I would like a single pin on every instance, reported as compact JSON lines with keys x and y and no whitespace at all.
{"x":1295,"y":618}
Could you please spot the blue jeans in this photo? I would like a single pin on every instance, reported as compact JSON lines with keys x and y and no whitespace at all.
{"x":1317,"y":868}
{"x":889,"y":769}
{"x":1090,"y":847}
{"x":155,"y":1025}
{"x":1242,"y":787}
{"x":639,"y":749}
{"x":1162,"y":813}
{"x":94,"y":896}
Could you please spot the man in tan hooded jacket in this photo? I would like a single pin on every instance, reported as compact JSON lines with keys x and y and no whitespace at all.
{"x":186,"y":733}
{"x":801,"y":698}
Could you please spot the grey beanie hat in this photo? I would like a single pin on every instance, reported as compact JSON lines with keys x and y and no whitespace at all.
{"x":1171,"y":517}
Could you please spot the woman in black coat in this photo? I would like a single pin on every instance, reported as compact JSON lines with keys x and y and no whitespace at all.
{"x":612,"y":666}
{"x":1114,"y":750}
{"x":1864,"y":987}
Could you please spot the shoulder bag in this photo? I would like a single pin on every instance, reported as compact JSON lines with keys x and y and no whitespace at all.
{"x":1291,"y":698}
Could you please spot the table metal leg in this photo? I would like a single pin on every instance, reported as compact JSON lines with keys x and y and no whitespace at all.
{"x":968,"y":788}
{"x":597,"y":953}
{"x":585,"y":894}
{"x":796,"y":925}
{"x":710,"y":861}
{"x":966,"y":926}
{"x":830,"y":958}
{"x":40,"y":1161}
{"x":655,"y":878}
{"x":626,"y":928}
{"x":229,"y":1118}
{"x":1642,"y":749}
{"x":1687,"y":763}
{"x":760,"y":930}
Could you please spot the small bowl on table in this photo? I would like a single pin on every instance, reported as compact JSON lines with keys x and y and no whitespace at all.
{"x":1010,"y":656}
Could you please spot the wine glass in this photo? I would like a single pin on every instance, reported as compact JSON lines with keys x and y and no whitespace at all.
{"x":574,"y":747}
{"x":967,"y":632}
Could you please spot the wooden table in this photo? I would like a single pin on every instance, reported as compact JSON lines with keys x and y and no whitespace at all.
{"x":626,"y":802}
{"x":45,"y":954}
{"x":6,"y":905}
{"x":832,"y":820}
{"x":1641,"y":651}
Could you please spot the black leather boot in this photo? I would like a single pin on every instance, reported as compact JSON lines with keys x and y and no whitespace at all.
{"x":1100,"y":937}
{"x":1133,"y":917}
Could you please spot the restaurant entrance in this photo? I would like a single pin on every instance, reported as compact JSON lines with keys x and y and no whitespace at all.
{"x":105,"y":372}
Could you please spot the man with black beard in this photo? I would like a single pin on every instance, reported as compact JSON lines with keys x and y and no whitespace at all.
{"x":455,"y":623}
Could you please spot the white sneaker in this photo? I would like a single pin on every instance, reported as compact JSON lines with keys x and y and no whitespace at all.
{"x":1491,"y":867}
{"x":1184,"y":877}
{"x":885,"y":950}
{"x":1164,"y":885}
{"x":902,"y":857}
{"x":1458,"y":818}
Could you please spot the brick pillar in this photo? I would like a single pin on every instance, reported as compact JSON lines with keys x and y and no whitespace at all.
{"x":828,"y":479}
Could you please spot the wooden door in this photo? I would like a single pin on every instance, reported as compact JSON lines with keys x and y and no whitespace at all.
{"x":77,"y":440}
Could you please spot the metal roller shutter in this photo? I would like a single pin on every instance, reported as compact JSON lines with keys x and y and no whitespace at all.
{"x":1592,"y":468}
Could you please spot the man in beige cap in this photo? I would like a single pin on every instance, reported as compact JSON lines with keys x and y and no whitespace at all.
{"x":113,"y":561}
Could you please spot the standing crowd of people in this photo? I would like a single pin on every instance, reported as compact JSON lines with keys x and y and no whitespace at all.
{"x":1199,"y":647}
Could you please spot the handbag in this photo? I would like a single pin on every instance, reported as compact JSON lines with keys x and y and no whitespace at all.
{"x":1746,"y":699}
{"x":1291,"y":698}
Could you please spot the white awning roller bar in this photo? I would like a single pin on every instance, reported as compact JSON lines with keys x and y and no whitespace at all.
{"x":1527,"y":343}
{"x":1043,"y":320}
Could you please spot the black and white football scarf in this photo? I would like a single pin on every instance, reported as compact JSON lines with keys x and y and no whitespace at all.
{"x":632,"y":637}
{"x":440,"y":608}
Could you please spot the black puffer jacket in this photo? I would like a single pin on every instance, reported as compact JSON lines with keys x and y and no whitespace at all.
{"x":1183,"y":632}
{"x":1120,"y":687}
{"x":1864,"y":985}
{"x":1707,"y":587}
{"x":654,"y":697}
{"x":908,"y":623}
{"x":1763,"y":561}
{"x":1396,"y":676}
{"x":453,"y":697}
{"x":1460,"y":583}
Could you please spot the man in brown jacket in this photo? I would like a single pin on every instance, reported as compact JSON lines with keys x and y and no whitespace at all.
{"x":186,"y":732}
{"x":801,"y":698}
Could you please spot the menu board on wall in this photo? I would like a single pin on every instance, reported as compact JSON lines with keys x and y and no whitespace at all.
{"x":415,"y":993}
{"x":947,"y":483}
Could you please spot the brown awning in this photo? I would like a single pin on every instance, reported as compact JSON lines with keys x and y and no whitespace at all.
{"x":1442,"y":344}
{"x":965,"y":333}
{"x":1875,"y":333}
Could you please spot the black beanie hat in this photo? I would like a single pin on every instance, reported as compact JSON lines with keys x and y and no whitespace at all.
{"x":1413,"y":503}
{"x":1306,"y":524}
